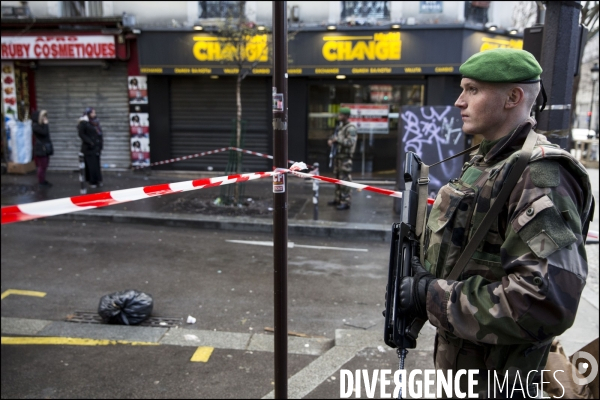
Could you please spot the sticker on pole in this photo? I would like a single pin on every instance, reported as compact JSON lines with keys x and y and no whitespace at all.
{"x":279,"y":183}
{"x":277,"y":102}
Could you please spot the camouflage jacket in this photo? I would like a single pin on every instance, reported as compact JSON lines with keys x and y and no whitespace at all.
{"x":346,"y":141}
{"x":523,"y":284}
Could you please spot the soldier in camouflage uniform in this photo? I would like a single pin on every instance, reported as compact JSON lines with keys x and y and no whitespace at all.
{"x":522,"y":286}
{"x":345,"y":142}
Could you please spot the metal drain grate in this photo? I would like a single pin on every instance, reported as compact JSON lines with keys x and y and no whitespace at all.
{"x":88,"y":317}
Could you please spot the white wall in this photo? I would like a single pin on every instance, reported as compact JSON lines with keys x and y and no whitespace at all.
{"x":162,"y":13}
{"x":453,"y":12}
{"x":38,"y":8}
{"x":154,"y":13}
{"x":500,"y":13}
{"x":311,"y":12}
{"x":584,"y":95}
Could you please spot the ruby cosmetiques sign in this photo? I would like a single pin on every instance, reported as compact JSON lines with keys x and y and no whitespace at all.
{"x":57,"y":47}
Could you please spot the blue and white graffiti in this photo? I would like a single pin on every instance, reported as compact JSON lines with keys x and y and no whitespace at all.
{"x":434,"y":133}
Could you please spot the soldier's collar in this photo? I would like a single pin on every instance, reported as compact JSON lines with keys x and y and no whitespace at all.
{"x":511,"y":142}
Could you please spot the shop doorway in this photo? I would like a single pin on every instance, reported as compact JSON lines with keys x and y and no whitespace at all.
{"x":375,"y":155}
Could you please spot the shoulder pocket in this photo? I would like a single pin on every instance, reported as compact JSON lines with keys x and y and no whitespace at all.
{"x":543,"y":228}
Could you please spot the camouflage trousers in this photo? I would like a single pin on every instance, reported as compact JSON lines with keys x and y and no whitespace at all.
{"x":342,"y":169}
{"x":451,"y":353}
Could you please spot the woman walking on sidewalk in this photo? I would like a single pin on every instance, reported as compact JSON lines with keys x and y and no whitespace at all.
{"x":42,"y":149}
{"x":90,"y":133}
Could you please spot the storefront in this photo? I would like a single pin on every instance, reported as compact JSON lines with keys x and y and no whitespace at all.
{"x":71,"y":71}
{"x":376,"y":72}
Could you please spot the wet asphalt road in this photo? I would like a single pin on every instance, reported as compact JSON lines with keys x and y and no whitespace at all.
{"x":227,"y":287}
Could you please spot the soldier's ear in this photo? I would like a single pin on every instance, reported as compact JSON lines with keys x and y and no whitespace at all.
{"x":515,"y":96}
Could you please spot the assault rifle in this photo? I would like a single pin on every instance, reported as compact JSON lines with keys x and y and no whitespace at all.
{"x":400,"y":328}
{"x":333,"y":151}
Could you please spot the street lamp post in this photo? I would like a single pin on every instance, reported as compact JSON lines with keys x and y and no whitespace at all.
{"x":594,"y":80}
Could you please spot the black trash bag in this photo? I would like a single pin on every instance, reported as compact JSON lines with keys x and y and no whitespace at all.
{"x":129,"y":307}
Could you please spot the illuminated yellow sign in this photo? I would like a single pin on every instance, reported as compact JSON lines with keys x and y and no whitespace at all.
{"x":381,"y":46}
{"x":184,"y":70}
{"x":444,"y":69}
{"x":151,"y":70}
{"x":294,"y":70}
{"x":490,"y":44}
{"x":253,"y":48}
{"x":327,"y":70}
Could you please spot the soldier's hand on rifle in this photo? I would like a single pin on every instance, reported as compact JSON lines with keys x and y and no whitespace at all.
{"x":413,"y":290}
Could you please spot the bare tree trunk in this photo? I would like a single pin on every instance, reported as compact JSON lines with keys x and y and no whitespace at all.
{"x":238,"y":134}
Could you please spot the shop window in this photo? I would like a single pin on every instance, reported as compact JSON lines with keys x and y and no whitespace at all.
{"x":365,"y":10}
{"x":81,"y":8}
{"x":376,"y":149}
{"x":477,"y":11}
{"x":221,"y":9}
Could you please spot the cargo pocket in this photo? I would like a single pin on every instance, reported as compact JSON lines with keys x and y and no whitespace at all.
{"x":447,"y":226}
{"x":543,"y":228}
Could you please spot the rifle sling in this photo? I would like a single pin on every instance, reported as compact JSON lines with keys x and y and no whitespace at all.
{"x":512,"y":179}
{"x":421,"y":220}
{"x":470,"y":149}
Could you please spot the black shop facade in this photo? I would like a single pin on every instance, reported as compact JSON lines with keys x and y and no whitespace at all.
{"x":377,"y":72}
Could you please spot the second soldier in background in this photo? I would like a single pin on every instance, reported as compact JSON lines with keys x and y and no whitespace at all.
{"x":344,"y":143}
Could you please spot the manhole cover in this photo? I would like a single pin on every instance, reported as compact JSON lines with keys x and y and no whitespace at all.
{"x":88,"y":317}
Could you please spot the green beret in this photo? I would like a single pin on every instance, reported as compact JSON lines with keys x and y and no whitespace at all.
{"x":502,"y":66}
{"x":345,"y":110}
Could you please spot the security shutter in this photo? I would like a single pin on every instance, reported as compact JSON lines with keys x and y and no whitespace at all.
{"x":202,"y":111}
{"x":65,"y":91}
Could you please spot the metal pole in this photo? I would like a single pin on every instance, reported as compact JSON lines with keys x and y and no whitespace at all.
{"x":591,"y":106}
{"x":82,"y":188}
{"x":315,"y":184}
{"x":280,"y":212}
{"x":559,"y":61}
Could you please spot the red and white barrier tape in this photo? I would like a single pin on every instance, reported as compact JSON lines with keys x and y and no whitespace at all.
{"x":206,"y":153}
{"x":48,"y":208}
{"x":41,"y":209}
{"x":351,"y":184}
{"x":255,"y":153}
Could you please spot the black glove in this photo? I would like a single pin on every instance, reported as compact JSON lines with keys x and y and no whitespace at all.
{"x":413,"y":290}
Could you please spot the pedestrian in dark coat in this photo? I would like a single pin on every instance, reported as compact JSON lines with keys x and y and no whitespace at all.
{"x":90,"y":133}
{"x":42,"y":148}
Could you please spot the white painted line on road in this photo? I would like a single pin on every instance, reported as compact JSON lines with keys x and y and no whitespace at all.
{"x":291,"y":245}
{"x":331,"y":248}
{"x":307,"y":379}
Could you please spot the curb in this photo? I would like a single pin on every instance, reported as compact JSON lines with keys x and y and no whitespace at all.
{"x":337,"y":230}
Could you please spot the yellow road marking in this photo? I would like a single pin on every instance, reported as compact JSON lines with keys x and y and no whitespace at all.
{"x":202,"y":354}
{"x":22,"y":293}
{"x":70,"y":341}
